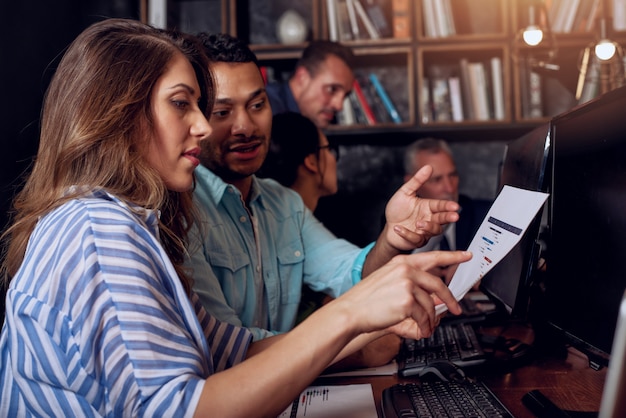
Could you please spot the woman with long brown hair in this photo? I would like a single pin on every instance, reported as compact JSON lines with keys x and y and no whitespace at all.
{"x":100,"y":318}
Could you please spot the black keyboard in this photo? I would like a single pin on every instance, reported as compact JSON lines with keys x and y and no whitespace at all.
{"x":442,"y":399}
{"x":455,"y":342}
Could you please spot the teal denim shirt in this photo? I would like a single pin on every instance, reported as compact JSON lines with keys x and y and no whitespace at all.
{"x":295,"y":248}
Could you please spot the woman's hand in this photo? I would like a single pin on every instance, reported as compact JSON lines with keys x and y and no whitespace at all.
{"x":401,"y":295}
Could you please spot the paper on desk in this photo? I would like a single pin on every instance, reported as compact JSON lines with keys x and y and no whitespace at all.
{"x":503,"y":227}
{"x":336,"y":401}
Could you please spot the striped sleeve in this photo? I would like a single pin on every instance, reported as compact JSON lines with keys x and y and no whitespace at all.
{"x":98,"y":323}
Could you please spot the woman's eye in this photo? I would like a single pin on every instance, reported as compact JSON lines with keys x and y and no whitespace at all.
{"x":181,"y":104}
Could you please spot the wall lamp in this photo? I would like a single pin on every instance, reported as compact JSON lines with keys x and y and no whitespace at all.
{"x":532,"y":34}
{"x":535,"y":40}
{"x":601,"y":65}
{"x":605,"y":48}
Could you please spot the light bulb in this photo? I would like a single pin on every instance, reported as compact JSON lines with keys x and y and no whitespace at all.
{"x":605,"y":49}
{"x":532,"y":35}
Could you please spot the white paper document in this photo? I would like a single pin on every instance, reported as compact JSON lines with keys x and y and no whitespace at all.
{"x":336,"y":401}
{"x":503,"y":227}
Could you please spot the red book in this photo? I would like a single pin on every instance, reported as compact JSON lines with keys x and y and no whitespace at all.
{"x":367,"y":110}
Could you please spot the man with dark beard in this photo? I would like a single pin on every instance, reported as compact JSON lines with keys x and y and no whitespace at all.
{"x":258,"y":243}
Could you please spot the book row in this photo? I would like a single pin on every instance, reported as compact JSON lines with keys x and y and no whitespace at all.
{"x":368,"y":103}
{"x":467,"y":91}
{"x":351,"y":20}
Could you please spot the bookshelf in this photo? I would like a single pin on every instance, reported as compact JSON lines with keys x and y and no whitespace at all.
{"x":419,"y":54}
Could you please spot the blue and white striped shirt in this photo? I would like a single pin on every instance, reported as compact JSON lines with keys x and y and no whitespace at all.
{"x":98,"y":323}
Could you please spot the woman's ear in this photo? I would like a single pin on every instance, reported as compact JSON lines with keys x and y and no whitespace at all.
{"x":311,"y":163}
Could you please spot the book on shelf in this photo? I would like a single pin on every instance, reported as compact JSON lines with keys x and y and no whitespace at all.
{"x":263,"y":70}
{"x":373,"y":99}
{"x":157,"y":13}
{"x":426,"y":114}
{"x":556,"y":14}
{"x":440,"y":94}
{"x":478,"y":84}
{"x":456,"y":101}
{"x":428,"y":19}
{"x":346,"y":116}
{"x":584,"y":13}
{"x":466,"y":89}
{"x":367,"y":110}
{"x":333,"y":23}
{"x":497,"y":88}
{"x":562,"y":14}
{"x":400,"y":20}
{"x":619,"y":14}
{"x":369,"y":25}
{"x":438,"y":19}
{"x":489,"y":88}
{"x":344,"y":27}
{"x":593,"y":15}
{"x":531,"y":91}
{"x":535,"y":99}
{"x":375,"y":11}
{"x":570,"y":15}
{"x":357,"y":109}
{"x":382,"y":93}
{"x":354,"y":23}
{"x":448,"y":17}
{"x":522,"y":69}
{"x":270,"y":75}
{"x":590,"y":73}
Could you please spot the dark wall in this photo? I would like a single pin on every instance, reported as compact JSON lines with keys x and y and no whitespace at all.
{"x":368,"y":175}
{"x":33,"y":34}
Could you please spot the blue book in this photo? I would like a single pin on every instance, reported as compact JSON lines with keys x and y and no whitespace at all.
{"x":393,"y":112}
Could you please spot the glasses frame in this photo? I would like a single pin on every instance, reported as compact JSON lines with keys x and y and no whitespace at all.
{"x":333,"y":148}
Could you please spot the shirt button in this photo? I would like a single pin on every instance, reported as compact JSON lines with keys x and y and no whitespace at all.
{"x":242,"y":218}
{"x":258,"y":268}
{"x":297,"y":253}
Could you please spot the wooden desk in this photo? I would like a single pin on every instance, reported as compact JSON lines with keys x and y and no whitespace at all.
{"x":568,"y":382}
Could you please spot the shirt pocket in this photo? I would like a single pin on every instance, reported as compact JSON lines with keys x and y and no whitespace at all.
{"x":291,"y":271}
{"x":232,"y":271}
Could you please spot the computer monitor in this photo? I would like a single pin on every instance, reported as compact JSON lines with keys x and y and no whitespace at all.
{"x":524,"y":166}
{"x":586,"y":256}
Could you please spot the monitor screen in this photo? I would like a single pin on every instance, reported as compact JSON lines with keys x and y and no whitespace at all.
{"x":586,"y":258}
{"x":524,"y":166}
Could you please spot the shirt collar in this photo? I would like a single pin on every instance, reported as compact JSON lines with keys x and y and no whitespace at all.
{"x":149,"y":217}
{"x":217,"y":188}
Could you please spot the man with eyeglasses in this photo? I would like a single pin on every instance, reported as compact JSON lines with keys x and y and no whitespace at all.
{"x":257,"y":243}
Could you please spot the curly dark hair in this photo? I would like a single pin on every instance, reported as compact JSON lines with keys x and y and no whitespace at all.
{"x":221,"y":47}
